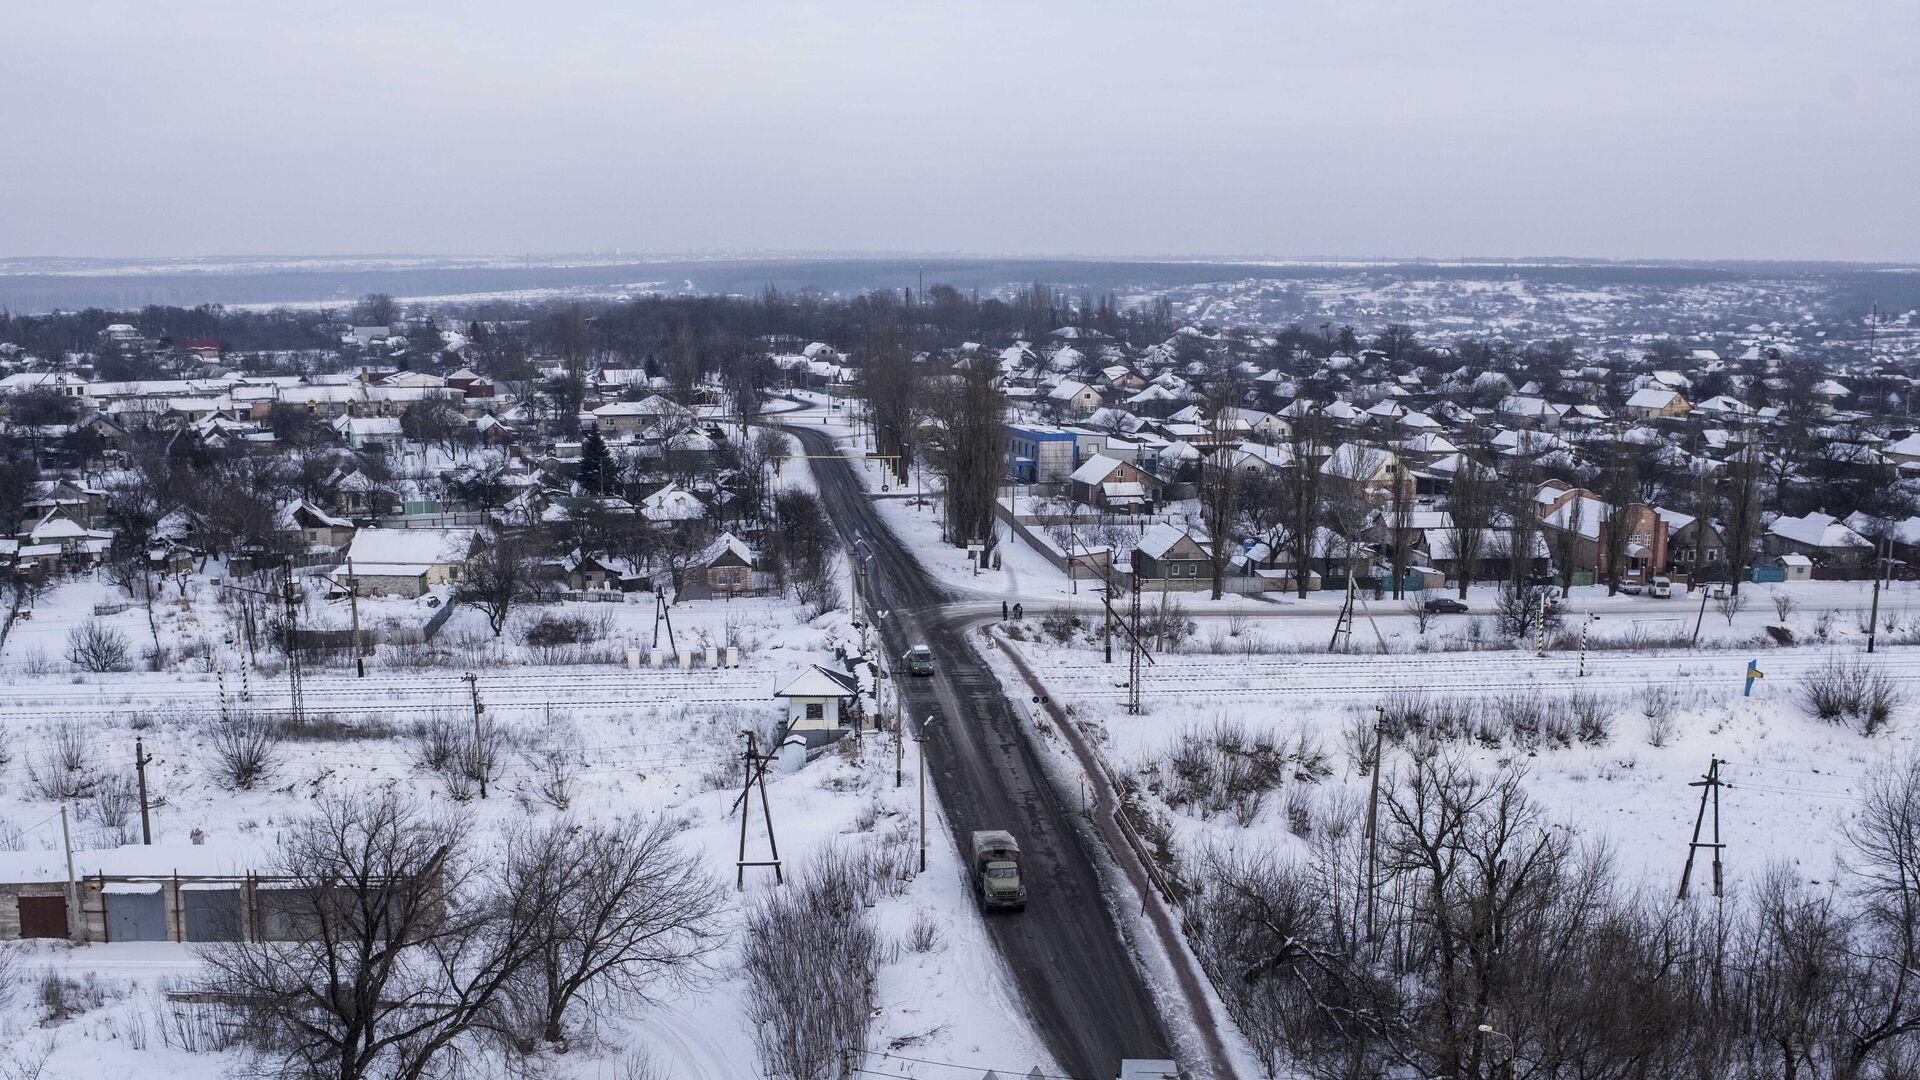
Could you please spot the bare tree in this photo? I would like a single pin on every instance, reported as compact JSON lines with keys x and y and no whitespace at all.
{"x":501,"y":576}
{"x":384,"y":952}
{"x":1301,"y":494}
{"x":1619,"y":491}
{"x":1219,"y":478}
{"x":975,"y":444}
{"x":1518,"y":505}
{"x":620,"y":909}
{"x":891,"y":384}
{"x":1415,"y":604}
{"x":93,"y":646}
{"x":1730,"y":604}
{"x":1741,"y":499}
{"x":1470,"y":506}
{"x":1566,"y":542}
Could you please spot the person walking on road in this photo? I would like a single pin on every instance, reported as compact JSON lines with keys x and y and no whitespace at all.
{"x":1003,"y":611}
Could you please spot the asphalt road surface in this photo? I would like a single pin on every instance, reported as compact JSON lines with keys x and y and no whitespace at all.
{"x":1087,"y":998}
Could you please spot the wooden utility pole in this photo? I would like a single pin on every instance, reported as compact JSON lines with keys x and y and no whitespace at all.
{"x":756,"y":772}
{"x":1135,"y":649}
{"x":140,"y":760}
{"x":1373,"y":813}
{"x":353,"y":601}
{"x":76,"y":919}
{"x":1881,"y":564}
{"x":479,"y":740}
{"x":1709,"y":786}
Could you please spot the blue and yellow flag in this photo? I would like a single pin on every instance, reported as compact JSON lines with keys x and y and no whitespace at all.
{"x":1753,"y":672}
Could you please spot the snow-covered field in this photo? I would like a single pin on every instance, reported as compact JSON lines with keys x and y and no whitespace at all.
{"x":1791,"y":780}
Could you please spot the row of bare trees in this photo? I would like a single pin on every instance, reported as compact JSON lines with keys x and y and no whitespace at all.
{"x":1481,"y":940}
{"x":404,"y":948}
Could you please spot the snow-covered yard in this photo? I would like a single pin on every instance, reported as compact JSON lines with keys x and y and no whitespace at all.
{"x":618,"y":741}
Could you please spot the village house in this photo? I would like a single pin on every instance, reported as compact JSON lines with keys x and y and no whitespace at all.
{"x":724,"y":568}
{"x":1656,"y":403}
{"x":1112,"y":484}
{"x":1170,"y":555}
{"x":820,"y":703}
{"x":1833,"y":549}
{"x":407,"y":562}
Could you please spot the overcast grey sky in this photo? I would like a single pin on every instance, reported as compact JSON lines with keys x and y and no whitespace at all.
{"x":1624,"y":129}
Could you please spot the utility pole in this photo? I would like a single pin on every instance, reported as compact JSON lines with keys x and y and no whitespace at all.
{"x":293,"y":651}
{"x":928,"y":723}
{"x":756,"y":772}
{"x":140,"y":760}
{"x":1106,"y":605}
{"x":76,"y":919}
{"x":1373,"y":813}
{"x":1709,"y":786}
{"x":479,"y":741}
{"x":1540,"y":627}
{"x":1880,"y":565}
{"x":1702,"y":617}
{"x":353,"y":600}
{"x":1134,"y":648}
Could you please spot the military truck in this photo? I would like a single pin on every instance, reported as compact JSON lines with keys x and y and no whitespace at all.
{"x":997,"y":883}
{"x":919,"y":660}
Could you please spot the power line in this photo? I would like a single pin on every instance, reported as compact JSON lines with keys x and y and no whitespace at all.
{"x":976,"y":1068}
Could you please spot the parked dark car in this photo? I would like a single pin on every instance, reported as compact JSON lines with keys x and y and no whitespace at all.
{"x":1446,"y":605}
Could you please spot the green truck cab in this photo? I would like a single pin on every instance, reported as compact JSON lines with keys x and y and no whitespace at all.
{"x":919,"y":660}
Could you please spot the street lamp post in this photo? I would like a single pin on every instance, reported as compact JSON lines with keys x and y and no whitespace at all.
{"x":928,"y":723}
{"x":1487,"y":1029}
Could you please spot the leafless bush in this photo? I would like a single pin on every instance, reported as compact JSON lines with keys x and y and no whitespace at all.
{"x":810,"y":958}
{"x":1592,"y":717}
{"x":553,"y":770}
{"x":27,"y":1058}
{"x":1225,"y":768}
{"x":96,"y":647}
{"x":1656,"y":707}
{"x":1299,"y":810}
{"x":63,"y":997}
{"x":113,"y":805}
{"x":9,"y":977}
{"x":246,"y":750}
{"x":1784,"y":605}
{"x":1843,"y":689}
{"x":1167,"y":624}
{"x":462,"y":757}
{"x":64,"y":769}
{"x":1060,"y":624}
{"x":1731,"y":604}
{"x":199,"y":1026}
{"x":1525,"y":713}
{"x":1519,"y":609}
{"x":817,"y":593}
{"x":1416,"y":608}
{"x":925,"y":935}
